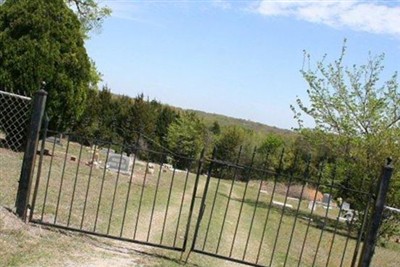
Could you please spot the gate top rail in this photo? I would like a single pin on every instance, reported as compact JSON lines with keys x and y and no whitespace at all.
{"x":15,"y":95}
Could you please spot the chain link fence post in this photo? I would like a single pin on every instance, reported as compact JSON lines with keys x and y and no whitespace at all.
{"x":28,"y":163}
{"x":377,"y":215}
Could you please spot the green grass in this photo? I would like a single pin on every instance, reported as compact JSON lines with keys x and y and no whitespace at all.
{"x":159,"y":226}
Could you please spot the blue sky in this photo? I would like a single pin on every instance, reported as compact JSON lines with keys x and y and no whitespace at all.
{"x":237,"y":58}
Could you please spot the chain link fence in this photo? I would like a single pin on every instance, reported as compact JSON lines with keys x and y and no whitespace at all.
{"x":15,"y":113}
{"x":14,"y":120}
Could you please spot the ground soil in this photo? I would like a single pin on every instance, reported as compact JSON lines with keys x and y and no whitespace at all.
{"x":65,"y":248}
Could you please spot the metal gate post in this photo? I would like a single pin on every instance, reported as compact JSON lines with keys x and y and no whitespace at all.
{"x":376,"y":218}
{"x":28,"y":163}
{"x":202,"y":204}
{"x":196,"y":184}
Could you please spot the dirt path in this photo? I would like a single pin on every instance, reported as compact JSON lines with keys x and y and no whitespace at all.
{"x":32,"y":245}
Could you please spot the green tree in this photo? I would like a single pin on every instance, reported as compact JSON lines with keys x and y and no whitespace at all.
{"x":231,"y":139}
{"x":166,"y":116}
{"x":360,"y":115}
{"x":215,"y":128}
{"x":90,"y":13}
{"x":141,"y":118}
{"x":99,"y":118}
{"x":271,"y":143}
{"x":352,"y":104}
{"x":186,"y":136}
{"x":41,"y":41}
{"x":87,"y":124}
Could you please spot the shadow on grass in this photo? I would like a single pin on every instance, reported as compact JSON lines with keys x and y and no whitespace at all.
{"x":323,"y":223}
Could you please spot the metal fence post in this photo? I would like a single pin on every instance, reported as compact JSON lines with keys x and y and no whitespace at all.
{"x":376,"y":218}
{"x":28,"y":163}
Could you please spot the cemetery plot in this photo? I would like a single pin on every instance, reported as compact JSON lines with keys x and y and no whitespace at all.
{"x":215,"y":212}
{"x":111,"y":194}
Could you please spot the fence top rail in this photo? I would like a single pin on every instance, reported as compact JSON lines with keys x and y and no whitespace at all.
{"x":15,"y":95}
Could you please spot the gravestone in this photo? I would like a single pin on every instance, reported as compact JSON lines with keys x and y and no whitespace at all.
{"x":327,"y":201}
{"x":345,"y":206}
{"x":54,"y":140}
{"x":349,"y":216}
{"x":118,"y":162}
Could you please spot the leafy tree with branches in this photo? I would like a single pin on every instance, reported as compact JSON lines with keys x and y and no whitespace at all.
{"x":186,"y":137}
{"x":360,"y":116}
{"x":90,"y":13}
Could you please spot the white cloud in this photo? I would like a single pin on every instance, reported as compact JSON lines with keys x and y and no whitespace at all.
{"x":369,"y":16}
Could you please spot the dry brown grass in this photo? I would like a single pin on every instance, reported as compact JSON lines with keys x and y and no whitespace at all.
{"x":295,"y":191}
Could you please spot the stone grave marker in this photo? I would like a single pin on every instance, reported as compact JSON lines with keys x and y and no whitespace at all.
{"x":118,"y":162}
{"x":327,"y":201}
{"x":54,"y":140}
{"x":345,"y":206}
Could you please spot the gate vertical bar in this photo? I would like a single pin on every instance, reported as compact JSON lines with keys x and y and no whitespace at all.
{"x":39,"y":172}
{"x":202,"y":204}
{"x":28,"y":163}
{"x":196,"y":184}
{"x":376,"y":219}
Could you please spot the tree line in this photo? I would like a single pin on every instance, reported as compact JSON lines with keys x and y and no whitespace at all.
{"x":159,"y":127}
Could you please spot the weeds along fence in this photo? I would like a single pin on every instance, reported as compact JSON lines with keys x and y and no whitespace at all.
{"x":270,"y":209}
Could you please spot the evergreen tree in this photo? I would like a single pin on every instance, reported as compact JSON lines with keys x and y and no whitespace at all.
{"x":140,"y":119}
{"x":215,"y":128}
{"x":41,"y":40}
{"x":166,"y":116}
{"x":231,"y":139}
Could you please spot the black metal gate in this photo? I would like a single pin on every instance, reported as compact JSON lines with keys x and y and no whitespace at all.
{"x":95,"y":190}
{"x":247,"y":214}
{"x":267,"y":210}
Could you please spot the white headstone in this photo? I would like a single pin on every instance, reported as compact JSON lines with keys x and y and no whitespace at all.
{"x":345,"y":206}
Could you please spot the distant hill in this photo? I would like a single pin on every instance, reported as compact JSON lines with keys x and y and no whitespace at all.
{"x":210,"y":118}
{"x":223,"y":120}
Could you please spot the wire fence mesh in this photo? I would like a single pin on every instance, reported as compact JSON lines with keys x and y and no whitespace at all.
{"x":14,"y":120}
